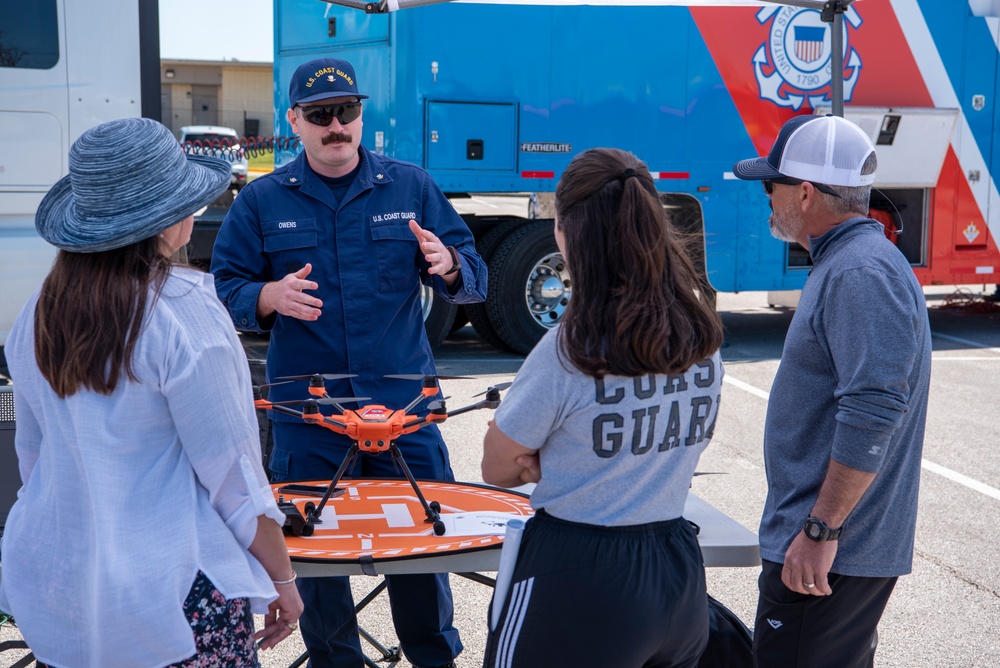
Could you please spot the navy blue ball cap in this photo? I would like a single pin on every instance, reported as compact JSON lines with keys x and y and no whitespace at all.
{"x":323,"y":79}
{"x":758,"y":169}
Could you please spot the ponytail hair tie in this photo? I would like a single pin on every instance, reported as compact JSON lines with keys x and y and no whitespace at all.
{"x":625,"y":174}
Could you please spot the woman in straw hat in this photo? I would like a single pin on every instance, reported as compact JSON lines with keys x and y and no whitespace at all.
{"x":609,"y":415}
{"x":144,"y":533}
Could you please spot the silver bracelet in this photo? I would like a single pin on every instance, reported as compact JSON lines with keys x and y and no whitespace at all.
{"x":286,"y":582}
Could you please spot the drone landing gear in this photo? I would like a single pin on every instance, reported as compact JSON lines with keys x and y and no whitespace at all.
{"x":295,"y":523}
{"x":432,"y":510}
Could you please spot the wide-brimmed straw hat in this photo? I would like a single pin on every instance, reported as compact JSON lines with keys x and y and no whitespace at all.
{"x":128,"y":180}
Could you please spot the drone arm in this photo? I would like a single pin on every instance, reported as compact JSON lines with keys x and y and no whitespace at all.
{"x":413,"y":425}
{"x":427,"y":392}
{"x":334,"y":425}
{"x":329,"y":423}
{"x":282,"y":409}
{"x":473,"y":407}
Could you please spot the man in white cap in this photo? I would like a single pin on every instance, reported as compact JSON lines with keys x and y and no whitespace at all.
{"x":845,"y":419}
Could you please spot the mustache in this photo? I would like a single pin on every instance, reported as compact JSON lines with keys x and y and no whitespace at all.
{"x":336,"y":136}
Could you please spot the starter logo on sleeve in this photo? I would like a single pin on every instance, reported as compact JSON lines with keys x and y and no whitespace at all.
{"x":798,"y":54}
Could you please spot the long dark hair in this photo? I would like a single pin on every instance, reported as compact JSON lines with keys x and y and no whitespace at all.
{"x":90,"y":312}
{"x":635,"y":308}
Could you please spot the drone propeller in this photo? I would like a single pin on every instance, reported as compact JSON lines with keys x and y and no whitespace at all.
{"x":325,"y":376}
{"x":422,"y":376}
{"x":284,"y":382}
{"x":499,"y":388}
{"x":437,"y":404}
{"x":325,"y":401}
{"x":342,"y":400}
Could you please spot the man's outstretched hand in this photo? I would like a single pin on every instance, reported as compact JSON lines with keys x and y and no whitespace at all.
{"x":288,"y":298}
{"x":435,"y":252}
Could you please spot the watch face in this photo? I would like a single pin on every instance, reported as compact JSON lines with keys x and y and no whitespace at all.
{"x":814,"y":530}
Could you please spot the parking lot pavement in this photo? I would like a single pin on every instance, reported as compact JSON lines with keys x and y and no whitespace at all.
{"x":946,"y":613}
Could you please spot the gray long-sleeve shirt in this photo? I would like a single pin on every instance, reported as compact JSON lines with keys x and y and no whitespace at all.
{"x":852,"y":385}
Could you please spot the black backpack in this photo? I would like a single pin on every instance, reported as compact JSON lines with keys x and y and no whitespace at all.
{"x":730,"y":642}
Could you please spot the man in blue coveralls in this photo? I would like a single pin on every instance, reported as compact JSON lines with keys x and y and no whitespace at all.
{"x":328,"y":253}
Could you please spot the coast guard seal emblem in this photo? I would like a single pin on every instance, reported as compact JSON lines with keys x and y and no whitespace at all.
{"x":794,"y":66}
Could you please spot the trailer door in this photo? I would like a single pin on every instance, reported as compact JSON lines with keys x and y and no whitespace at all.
{"x":469,"y":135}
{"x":990,"y":18}
{"x":978,"y":102}
{"x":34,"y":138}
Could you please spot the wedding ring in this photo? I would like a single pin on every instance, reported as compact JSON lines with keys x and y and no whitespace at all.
{"x":293,"y":625}
{"x":809,"y":585}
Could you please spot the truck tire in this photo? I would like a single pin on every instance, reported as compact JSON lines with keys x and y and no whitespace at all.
{"x":529,"y":286}
{"x":461,"y":319}
{"x":438,"y":316}
{"x":478,"y":314}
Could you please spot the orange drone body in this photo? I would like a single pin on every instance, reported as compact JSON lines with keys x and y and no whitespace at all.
{"x":373,"y":427}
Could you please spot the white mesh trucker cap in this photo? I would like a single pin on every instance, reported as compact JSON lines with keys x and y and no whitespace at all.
{"x":823,"y":149}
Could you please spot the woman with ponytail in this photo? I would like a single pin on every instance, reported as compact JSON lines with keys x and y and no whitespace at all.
{"x":609,"y":415}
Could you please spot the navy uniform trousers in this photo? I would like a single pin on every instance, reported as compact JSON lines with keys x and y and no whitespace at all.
{"x":421,"y":605}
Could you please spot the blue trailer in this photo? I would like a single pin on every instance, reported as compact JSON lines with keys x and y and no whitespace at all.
{"x":497,"y":97}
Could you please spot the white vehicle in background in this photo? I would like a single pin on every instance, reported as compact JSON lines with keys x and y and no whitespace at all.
{"x":58,"y":78}
{"x":221,"y":142}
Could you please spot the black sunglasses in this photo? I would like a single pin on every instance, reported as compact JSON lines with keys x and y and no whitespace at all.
{"x":322,"y":115}
{"x":787,"y":181}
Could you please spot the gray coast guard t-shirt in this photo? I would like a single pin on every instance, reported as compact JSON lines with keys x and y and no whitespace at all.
{"x":616,"y":451}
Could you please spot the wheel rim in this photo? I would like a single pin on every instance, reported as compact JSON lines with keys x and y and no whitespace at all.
{"x":548,"y":290}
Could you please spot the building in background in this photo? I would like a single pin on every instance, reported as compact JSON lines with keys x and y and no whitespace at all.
{"x":230,"y":93}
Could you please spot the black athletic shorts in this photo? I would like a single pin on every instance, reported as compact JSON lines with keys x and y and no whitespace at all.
{"x":614,"y":597}
{"x":801,"y":631}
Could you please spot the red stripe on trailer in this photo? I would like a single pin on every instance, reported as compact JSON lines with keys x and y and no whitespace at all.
{"x":670,"y":175}
{"x":538,"y":175}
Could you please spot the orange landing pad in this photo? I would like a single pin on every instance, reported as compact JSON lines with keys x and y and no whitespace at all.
{"x":384,"y":520}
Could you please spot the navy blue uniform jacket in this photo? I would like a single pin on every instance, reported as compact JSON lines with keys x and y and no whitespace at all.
{"x":367,"y":264}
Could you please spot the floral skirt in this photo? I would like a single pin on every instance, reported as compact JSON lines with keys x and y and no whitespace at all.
{"x":223,"y":630}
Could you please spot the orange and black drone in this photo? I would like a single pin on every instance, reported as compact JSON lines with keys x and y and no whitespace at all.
{"x":373,"y":428}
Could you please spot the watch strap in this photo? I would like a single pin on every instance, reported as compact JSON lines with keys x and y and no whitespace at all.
{"x":456,"y":261}
{"x":817,"y":530}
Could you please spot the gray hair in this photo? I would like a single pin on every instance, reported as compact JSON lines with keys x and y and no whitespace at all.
{"x":855,"y":200}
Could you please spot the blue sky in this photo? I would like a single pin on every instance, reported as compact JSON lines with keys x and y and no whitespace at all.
{"x":217,"y":29}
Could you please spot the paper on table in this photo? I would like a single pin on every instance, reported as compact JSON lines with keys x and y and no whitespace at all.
{"x":484,"y":523}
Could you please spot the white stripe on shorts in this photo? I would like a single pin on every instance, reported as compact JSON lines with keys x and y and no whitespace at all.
{"x":511,"y":628}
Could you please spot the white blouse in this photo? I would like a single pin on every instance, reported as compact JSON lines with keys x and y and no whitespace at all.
{"x":125,"y":497}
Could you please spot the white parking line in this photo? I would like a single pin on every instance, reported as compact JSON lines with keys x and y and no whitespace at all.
{"x":965,"y":342}
{"x":954,"y":476}
{"x":961,"y":479}
{"x":746,"y":387}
